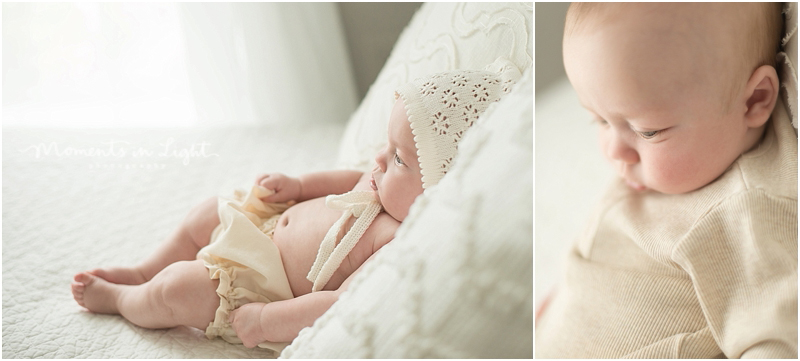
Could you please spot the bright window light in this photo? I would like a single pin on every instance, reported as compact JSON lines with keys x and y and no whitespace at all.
{"x":80,"y":65}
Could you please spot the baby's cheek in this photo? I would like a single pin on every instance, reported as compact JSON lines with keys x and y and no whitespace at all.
{"x":673,"y":174}
{"x":406,"y":195}
{"x":388,"y":195}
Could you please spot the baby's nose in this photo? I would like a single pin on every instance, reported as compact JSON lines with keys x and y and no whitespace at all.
{"x":619,"y":150}
{"x":379,"y":160}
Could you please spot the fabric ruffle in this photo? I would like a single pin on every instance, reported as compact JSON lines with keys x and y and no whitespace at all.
{"x":243,"y":257}
{"x":232,"y":297}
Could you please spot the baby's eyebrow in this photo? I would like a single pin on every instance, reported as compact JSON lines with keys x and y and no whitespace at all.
{"x":407,"y":153}
{"x":403,"y":149}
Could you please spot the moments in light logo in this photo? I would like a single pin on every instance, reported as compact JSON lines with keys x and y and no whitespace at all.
{"x":118,"y":152}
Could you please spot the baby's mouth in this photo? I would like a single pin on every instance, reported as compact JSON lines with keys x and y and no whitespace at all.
{"x":372,"y":184}
{"x":635,"y":185}
{"x":625,"y":172}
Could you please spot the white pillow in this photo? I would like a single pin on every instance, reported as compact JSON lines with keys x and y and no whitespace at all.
{"x":787,"y":61}
{"x":440,"y":37}
{"x":457,"y":281}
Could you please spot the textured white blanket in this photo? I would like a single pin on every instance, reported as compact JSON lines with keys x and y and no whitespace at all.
{"x":74,"y":200}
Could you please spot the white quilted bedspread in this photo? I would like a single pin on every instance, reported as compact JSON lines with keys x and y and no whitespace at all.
{"x":95,"y":198}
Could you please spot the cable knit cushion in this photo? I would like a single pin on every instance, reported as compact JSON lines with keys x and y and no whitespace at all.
{"x":457,"y":280}
{"x":787,"y":61}
{"x":440,"y":37}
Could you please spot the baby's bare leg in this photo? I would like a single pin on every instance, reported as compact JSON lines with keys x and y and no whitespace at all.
{"x":193,"y":234}
{"x":180,"y":295}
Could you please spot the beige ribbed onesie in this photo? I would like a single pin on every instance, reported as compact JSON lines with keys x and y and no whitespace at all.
{"x":710,"y":273}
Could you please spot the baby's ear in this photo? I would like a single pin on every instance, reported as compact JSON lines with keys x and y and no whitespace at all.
{"x":762,"y":93}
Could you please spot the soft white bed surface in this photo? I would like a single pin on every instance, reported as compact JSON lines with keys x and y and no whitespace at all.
{"x":63,"y":214}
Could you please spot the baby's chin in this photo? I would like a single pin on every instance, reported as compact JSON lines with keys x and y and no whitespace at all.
{"x":397,"y":210}
{"x":396,"y":215}
{"x":390,"y":210}
{"x":664,"y":188}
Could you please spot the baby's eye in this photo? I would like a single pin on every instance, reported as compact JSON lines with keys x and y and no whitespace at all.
{"x":397,"y":159}
{"x":600,"y":121}
{"x":648,"y":135}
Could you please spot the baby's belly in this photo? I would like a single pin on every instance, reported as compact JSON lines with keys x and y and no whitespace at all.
{"x":298,"y":234}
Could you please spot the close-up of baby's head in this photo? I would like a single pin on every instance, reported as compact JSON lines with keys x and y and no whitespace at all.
{"x":428,"y":120}
{"x":679,"y":90}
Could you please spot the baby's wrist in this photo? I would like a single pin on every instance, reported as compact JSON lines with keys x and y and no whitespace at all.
{"x":299,"y":184}
{"x":263,"y":318}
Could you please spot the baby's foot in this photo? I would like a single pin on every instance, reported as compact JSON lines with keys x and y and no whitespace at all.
{"x":120,"y":275}
{"x":95,"y":293}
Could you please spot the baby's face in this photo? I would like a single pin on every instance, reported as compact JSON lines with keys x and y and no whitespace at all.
{"x":654,"y":89}
{"x":397,"y":176}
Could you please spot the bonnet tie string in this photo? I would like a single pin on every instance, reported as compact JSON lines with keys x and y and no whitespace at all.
{"x":359,"y":204}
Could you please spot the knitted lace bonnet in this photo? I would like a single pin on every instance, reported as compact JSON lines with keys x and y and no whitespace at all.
{"x":441,"y":107}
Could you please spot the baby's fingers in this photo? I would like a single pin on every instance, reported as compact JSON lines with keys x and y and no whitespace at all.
{"x":249,"y":344}
{"x":260,"y":178}
{"x":272,"y":181}
{"x":268,"y":182}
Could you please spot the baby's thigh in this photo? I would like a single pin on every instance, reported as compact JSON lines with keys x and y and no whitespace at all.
{"x":201,"y":221}
{"x":189,"y":292}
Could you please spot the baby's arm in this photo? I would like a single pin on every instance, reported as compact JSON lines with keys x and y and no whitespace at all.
{"x":308,"y":186}
{"x":321,"y":184}
{"x":742,"y":259}
{"x":282,"y":321}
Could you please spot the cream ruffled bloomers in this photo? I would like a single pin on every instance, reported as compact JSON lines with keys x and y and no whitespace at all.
{"x":243,"y":257}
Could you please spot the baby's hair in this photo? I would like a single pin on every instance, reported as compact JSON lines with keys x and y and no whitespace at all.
{"x":762,"y":32}
{"x":576,"y":15}
{"x":768,"y":41}
{"x":759,"y":25}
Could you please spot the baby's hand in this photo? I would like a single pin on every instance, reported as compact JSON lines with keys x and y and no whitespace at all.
{"x":286,"y":188}
{"x":246,"y":322}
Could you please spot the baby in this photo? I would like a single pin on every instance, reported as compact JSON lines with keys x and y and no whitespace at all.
{"x":693,"y":251}
{"x":259,"y":267}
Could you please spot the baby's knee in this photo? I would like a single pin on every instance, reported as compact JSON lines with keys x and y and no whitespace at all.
{"x":181,"y":280}
{"x":167,"y":285}
{"x":189,"y":293}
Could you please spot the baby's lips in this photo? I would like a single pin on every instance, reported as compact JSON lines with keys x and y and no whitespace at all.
{"x":635,"y":185}
{"x":373,"y":184}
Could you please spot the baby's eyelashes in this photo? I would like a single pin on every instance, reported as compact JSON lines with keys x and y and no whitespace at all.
{"x":397,"y":160}
{"x":648,"y":135}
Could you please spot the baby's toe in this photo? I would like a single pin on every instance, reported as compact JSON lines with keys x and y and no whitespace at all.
{"x":77,"y":286}
{"x":99,"y":272}
{"x":77,"y":292}
{"x":84,"y":278}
